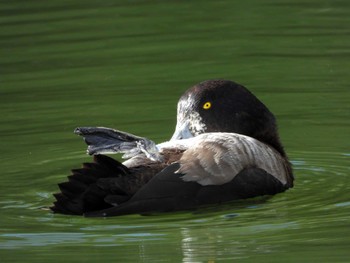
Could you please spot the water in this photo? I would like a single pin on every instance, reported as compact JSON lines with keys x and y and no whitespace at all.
{"x":124,"y":64}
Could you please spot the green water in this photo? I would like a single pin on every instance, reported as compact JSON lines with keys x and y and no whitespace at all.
{"x":124,"y":64}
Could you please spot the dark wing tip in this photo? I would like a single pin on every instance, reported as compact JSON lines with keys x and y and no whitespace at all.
{"x":87,"y":187}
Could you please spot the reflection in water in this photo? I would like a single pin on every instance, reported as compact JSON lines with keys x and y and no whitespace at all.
{"x":209,"y":244}
{"x":198,"y":246}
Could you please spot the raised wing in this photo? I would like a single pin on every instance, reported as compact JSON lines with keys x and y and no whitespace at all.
{"x":101,"y":140}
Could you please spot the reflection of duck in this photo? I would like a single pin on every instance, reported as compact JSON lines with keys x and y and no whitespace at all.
{"x":225,"y":147}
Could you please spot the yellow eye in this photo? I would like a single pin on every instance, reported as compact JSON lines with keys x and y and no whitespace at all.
{"x":207,"y":105}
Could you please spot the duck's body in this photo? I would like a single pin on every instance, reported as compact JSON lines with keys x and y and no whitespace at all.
{"x":225,"y":147}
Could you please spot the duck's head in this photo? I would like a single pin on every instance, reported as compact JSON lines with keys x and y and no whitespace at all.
{"x":225,"y":106}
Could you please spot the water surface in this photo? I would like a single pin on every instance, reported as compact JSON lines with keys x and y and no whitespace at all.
{"x":124,"y":64}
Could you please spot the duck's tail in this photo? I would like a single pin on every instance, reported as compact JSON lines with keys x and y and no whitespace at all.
{"x":91,"y":187}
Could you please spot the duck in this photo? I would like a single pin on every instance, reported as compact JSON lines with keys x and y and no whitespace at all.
{"x":225,"y":147}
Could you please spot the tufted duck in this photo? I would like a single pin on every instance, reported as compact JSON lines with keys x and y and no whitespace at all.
{"x":225,"y":147}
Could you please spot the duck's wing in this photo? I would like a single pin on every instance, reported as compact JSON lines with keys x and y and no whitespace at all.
{"x":101,"y":140}
{"x":216,"y":158}
{"x":216,"y":168}
{"x":167,"y":192}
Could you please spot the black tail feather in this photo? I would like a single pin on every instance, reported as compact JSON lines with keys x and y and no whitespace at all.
{"x":90,"y":187}
{"x":112,"y":185}
{"x":82,"y":177}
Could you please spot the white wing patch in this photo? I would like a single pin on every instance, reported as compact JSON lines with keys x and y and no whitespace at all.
{"x":216,"y":158}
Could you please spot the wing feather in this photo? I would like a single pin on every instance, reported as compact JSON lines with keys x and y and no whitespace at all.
{"x":216,"y":158}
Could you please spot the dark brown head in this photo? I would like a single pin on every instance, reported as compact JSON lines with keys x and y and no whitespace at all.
{"x":225,"y":106}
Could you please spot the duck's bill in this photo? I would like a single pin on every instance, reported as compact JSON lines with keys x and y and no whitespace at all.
{"x":182,"y":132}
